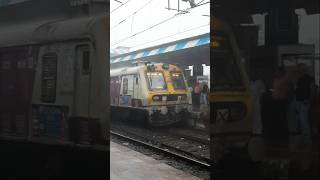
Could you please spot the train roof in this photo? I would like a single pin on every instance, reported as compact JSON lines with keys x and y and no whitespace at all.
{"x":125,"y":70}
{"x":46,"y":31}
{"x":131,"y":69}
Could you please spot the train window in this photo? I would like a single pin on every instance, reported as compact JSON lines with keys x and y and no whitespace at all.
{"x":226,"y":70}
{"x":156,"y":81}
{"x":125,"y":86}
{"x":49,"y":78}
{"x":178,"y":80}
{"x":85,"y":62}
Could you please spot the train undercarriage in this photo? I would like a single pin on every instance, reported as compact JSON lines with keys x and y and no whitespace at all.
{"x":154,"y":116}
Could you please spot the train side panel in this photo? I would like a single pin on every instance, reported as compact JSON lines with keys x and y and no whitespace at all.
{"x":16,"y":78}
{"x":55,"y":90}
{"x":53,"y":81}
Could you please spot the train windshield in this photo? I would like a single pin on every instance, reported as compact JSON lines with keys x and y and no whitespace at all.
{"x":156,"y":81}
{"x":178,"y":81}
{"x":226,"y":70}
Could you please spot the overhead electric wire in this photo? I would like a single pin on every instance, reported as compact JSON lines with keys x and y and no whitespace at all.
{"x":122,"y":21}
{"x":202,"y":3}
{"x":120,"y":6}
{"x":118,"y":1}
{"x":157,"y":24}
{"x":164,"y":37}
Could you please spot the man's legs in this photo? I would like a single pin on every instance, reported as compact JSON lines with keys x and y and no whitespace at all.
{"x":303,"y":115}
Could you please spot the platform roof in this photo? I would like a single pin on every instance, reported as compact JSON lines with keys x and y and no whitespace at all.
{"x":182,"y":44}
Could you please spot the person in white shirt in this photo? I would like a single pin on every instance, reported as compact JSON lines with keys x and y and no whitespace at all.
{"x":257,"y":89}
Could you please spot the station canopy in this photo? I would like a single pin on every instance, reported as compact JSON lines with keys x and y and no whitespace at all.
{"x":182,"y":44}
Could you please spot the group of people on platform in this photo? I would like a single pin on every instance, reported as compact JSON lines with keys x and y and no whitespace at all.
{"x":287,"y":103}
{"x":200,"y":95}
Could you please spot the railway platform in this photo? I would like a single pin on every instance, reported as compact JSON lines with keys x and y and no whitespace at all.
{"x":126,"y":163}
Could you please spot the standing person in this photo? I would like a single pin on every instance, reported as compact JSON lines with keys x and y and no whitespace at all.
{"x":205,"y":111}
{"x":204,"y":95}
{"x":280,"y":95}
{"x":257,"y":89}
{"x":197,"y":92}
{"x":304,"y":95}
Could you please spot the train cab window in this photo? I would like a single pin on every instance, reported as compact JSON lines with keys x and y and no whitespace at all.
{"x":85,"y":62}
{"x":49,"y":77}
{"x":125,"y":86}
{"x":156,"y":81}
{"x":225,"y":68}
{"x":178,"y":81}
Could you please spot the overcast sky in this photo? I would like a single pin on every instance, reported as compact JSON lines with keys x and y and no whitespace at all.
{"x":153,"y":13}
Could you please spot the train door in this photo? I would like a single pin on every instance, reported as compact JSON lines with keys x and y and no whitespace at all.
{"x":136,"y":91}
{"x":24,"y":87}
{"x":7,"y":94}
{"x":127,"y":90}
{"x":114,"y":90}
{"x":82,"y":82}
{"x":16,"y":82}
{"x":136,"y":86}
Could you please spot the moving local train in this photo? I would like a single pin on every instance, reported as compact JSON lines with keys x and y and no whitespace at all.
{"x":52,"y":80}
{"x":156,"y":94}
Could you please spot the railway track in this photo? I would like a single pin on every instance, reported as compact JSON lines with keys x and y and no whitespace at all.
{"x":191,"y":136}
{"x":168,"y":151}
{"x":161,"y":137}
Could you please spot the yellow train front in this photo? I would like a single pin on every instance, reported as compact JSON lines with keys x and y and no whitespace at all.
{"x":230,"y":98}
{"x":156,"y":94}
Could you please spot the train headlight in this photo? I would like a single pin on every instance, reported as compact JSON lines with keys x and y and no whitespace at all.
{"x":164,"y":98}
{"x":156,"y":98}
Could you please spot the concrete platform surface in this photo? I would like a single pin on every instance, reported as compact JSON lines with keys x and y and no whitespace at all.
{"x":127,"y":164}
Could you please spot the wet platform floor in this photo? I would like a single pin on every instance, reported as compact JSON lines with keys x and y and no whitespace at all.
{"x":127,"y":164}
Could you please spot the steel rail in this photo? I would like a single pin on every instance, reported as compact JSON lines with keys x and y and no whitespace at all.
{"x":164,"y":151}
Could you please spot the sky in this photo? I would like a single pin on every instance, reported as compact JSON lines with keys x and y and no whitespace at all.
{"x":153,"y":12}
